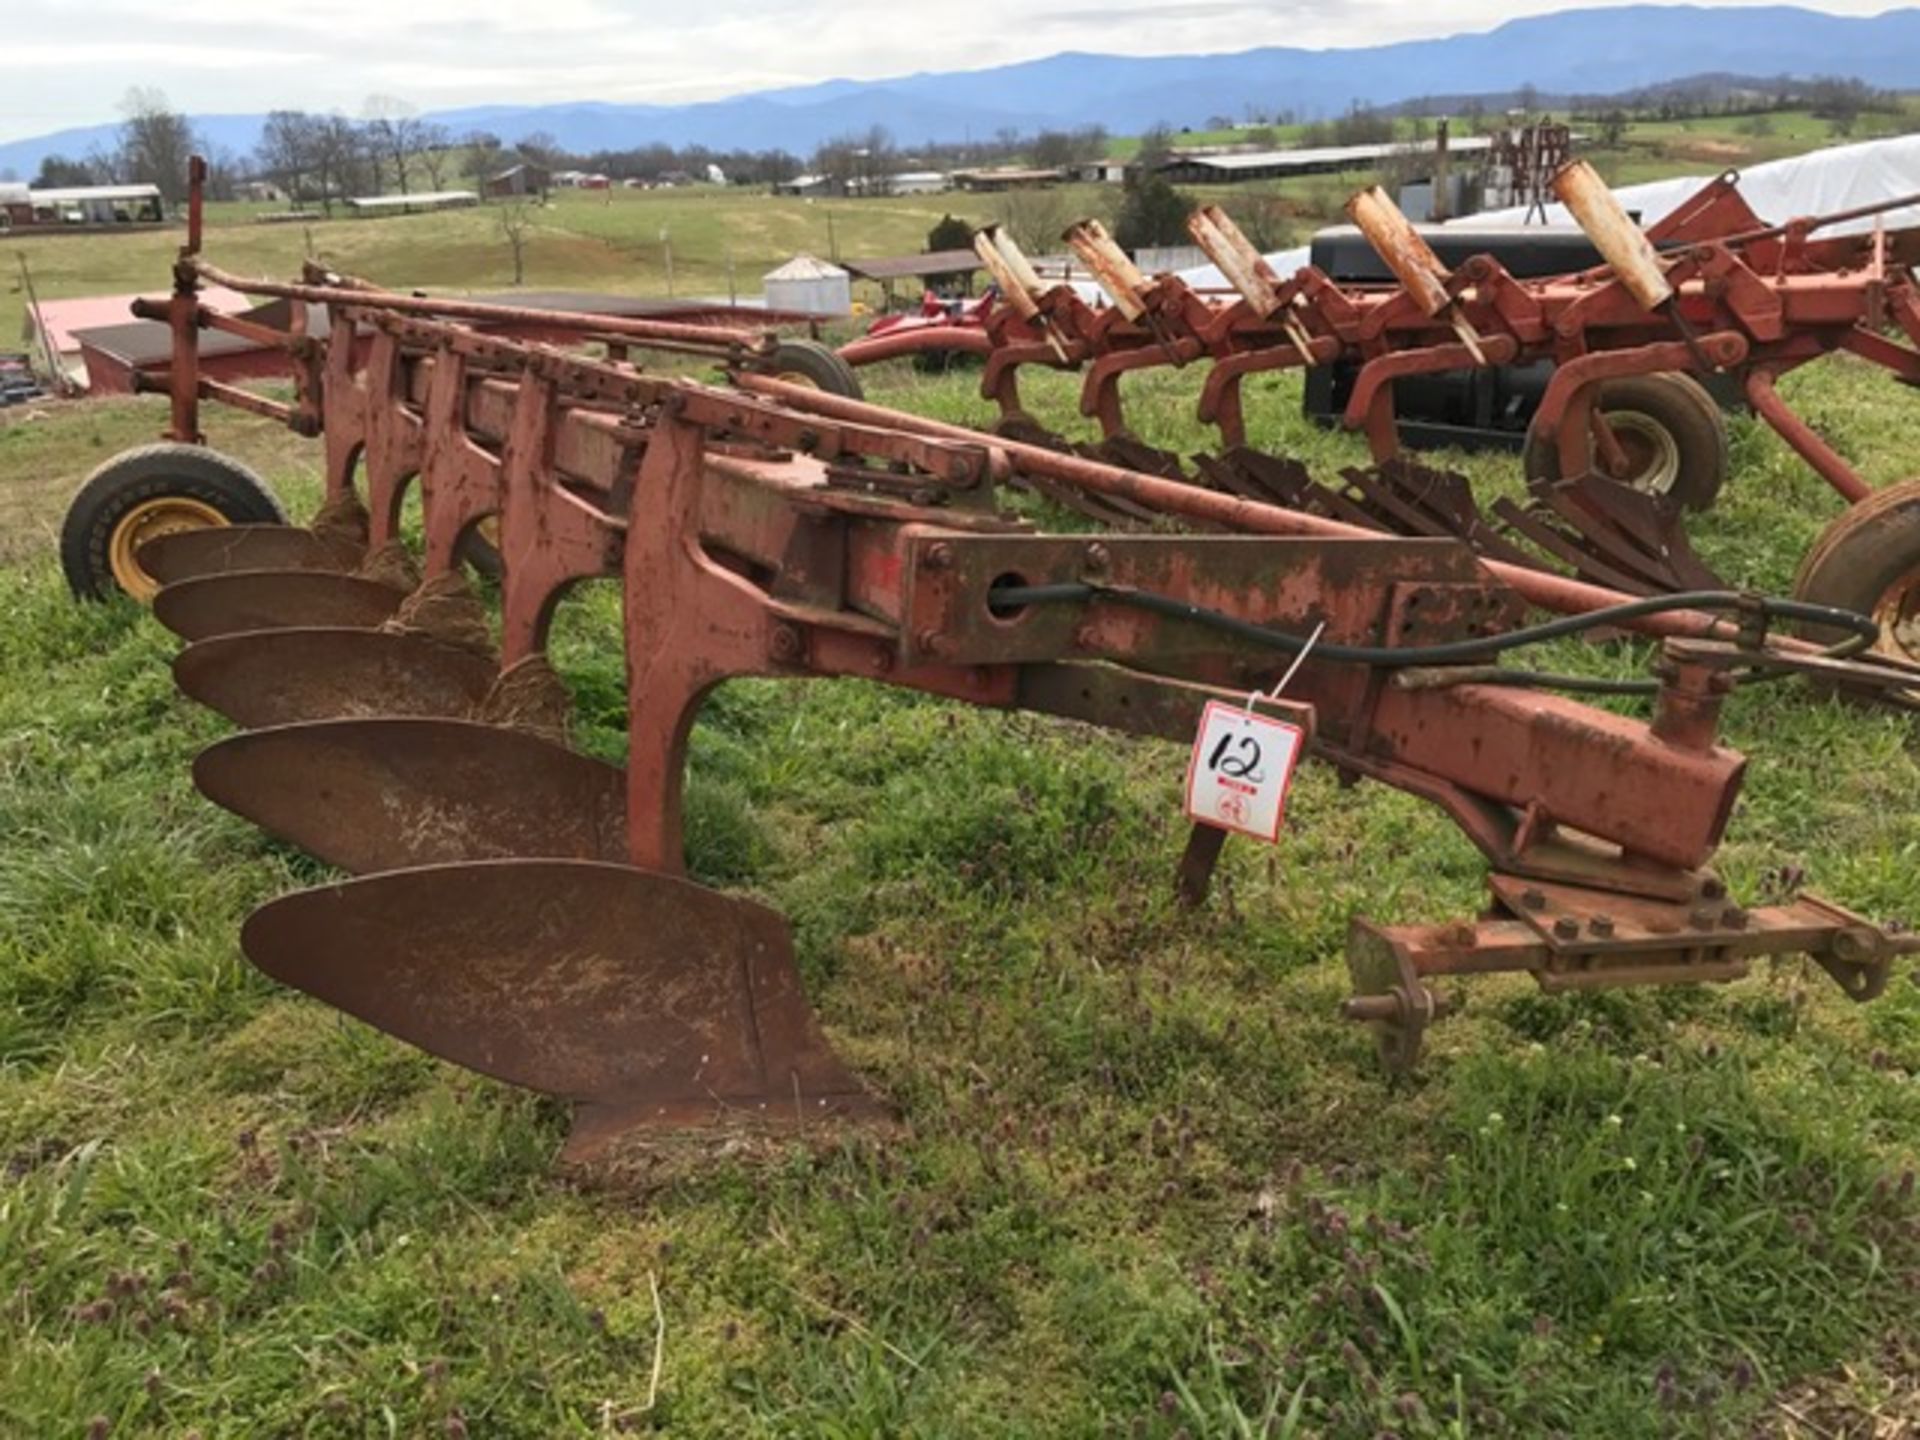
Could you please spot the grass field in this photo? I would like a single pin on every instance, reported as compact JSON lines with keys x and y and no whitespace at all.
{"x":1146,"y":1183}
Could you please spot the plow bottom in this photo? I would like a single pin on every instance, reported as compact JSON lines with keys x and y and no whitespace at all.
{"x":241,"y":600}
{"x":388,"y":794}
{"x":642,"y":999}
{"x":281,"y":677}
{"x":219,"y":550}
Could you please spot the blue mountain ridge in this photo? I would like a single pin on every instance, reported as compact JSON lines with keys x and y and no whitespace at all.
{"x":1588,"y":51}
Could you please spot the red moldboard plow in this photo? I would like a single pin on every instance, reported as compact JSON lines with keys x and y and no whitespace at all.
{"x":521,"y":909}
{"x":1623,"y":442}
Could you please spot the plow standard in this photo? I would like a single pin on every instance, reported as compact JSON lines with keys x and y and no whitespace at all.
{"x":521,"y":908}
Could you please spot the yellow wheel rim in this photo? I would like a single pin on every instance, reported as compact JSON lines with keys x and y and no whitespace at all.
{"x":149,"y":520}
{"x":794,"y":377}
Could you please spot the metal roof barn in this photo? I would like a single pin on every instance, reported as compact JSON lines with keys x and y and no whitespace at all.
{"x":405,"y":204}
{"x":1192,"y":169}
{"x":808,"y":283}
{"x":100,"y":204}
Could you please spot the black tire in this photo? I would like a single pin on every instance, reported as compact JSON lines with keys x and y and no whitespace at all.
{"x":1671,"y":422}
{"x":1868,"y":561}
{"x":479,"y":551}
{"x":203,"y":480}
{"x":808,"y":362}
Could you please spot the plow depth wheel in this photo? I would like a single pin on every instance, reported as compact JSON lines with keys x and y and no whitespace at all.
{"x":809,"y":363}
{"x":1672,"y":434}
{"x":1869,"y":561}
{"x":147,"y":493}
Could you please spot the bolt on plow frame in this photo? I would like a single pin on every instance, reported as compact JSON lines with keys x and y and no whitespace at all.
{"x":520,"y":908}
{"x":1624,"y":440}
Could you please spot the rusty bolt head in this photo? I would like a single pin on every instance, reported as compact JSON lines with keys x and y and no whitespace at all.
{"x":1703,"y":917}
{"x":1712,"y":887}
{"x":1735,"y":918}
{"x":784,"y":644}
{"x":1098,"y":558}
{"x":939,"y":556}
{"x":931,"y":642}
{"x":1855,"y":947}
{"x":1566,"y":928}
{"x":960,"y":469}
{"x":1533,"y":900}
{"x":1464,"y":936}
{"x":1601,"y":926}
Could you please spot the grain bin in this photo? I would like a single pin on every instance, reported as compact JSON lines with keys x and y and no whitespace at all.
{"x":810,"y":285}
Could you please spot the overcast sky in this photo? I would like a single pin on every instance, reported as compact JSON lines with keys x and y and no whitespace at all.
{"x":69,"y":62}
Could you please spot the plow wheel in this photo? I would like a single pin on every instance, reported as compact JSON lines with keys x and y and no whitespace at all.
{"x":1869,"y":561}
{"x":816,"y":366}
{"x":642,"y":999}
{"x":138,"y":498}
{"x":1672,"y":438}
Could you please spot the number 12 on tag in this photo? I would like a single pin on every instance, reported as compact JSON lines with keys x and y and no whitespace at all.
{"x":1241,"y":768}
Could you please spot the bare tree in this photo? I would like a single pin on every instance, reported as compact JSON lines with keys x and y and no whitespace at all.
{"x":393,"y":132}
{"x":285,"y":153}
{"x":1036,"y":219}
{"x":155,"y":142}
{"x":340,"y":158}
{"x":875,"y":160}
{"x":516,"y":226}
{"x":481,"y":156}
{"x":435,"y":148}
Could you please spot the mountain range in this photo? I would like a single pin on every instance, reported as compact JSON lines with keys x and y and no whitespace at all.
{"x":1587,"y":51}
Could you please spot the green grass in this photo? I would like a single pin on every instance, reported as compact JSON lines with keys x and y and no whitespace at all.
{"x":1145,"y":1182}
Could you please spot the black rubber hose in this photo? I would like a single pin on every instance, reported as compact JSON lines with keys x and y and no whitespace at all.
{"x":1007,"y":598}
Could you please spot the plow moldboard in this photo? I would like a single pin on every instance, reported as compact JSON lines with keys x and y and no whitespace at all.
{"x":221,"y":549}
{"x":271,"y":600}
{"x":281,"y":677}
{"x":645,"y":999}
{"x":393,"y":793}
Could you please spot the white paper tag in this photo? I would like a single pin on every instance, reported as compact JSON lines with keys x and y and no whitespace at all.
{"x":1241,"y":767}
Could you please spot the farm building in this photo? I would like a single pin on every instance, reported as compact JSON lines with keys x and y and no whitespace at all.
{"x":948,"y":271}
{"x":411,"y":204}
{"x":1235,"y":167}
{"x":16,"y":205}
{"x":918,"y":182}
{"x":1005,"y":177}
{"x":521,"y":179}
{"x":56,"y":330}
{"x":809,"y":285}
{"x":99,"y":205}
{"x":811,"y":185}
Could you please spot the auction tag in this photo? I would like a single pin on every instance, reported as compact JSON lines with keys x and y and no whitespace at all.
{"x":1241,"y":767}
